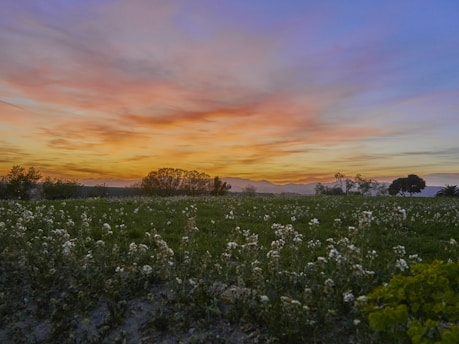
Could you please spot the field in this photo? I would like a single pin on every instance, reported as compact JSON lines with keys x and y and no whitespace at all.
{"x":233,"y":269}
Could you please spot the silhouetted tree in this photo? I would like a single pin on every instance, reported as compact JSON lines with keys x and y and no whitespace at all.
{"x":415,"y":184}
{"x":195,"y":183}
{"x":20,"y":183}
{"x":219,"y":188}
{"x":174,"y":181}
{"x":411,"y":184}
{"x":364,"y":185}
{"x":448,"y":191}
{"x":99,"y":190}
{"x":339,"y":179}
{"x":3,"y":188}
{"x":396,"y":186}
{"x":348,"y":185}
{"x":163,"y":182}
{"x":60,"y":189}
{"x":321,"y":189}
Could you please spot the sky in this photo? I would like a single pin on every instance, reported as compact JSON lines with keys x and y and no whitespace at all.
{"x":285,"y":91}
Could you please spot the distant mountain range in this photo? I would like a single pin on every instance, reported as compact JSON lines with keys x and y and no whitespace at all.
{"x":261,"y":186}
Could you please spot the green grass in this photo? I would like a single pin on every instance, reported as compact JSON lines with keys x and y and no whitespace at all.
{"x":293,"y":283}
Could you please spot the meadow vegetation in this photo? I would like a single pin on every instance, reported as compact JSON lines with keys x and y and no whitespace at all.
{"x":233,"y":269}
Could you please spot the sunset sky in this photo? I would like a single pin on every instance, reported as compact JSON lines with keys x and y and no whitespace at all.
{"x":287,"y":91}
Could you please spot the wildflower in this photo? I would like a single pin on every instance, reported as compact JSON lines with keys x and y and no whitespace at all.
{"x":372,"y":254}
{"x":295,"y":302}
{"x":369,"y":273}
{"x":348,"y":297}
{"x":298,"y":239}
{"x":285,"y":299}
{"x":401,"y":264}
{"x":367,"y":214}
{"x":415,"y":258}
{"x":322,"y":260}
{"x":401,"y":212}
{"x":232,"y":245}
{"x":274,"y":254}
{"x":399,"y":250}
{"x":452,"y":242}
{"x":264,"y":298}
{"x":229,"y":216}
{"x":353,"y":248}
{"x":119,"y":269}
{"x":67,"y":246}
{"x":147,"y":269}
{"x":143,"y":247}
{"x":334,"y":254}
{"x":132,"y":247}
{"x":314,"y":222}
{"x":314,"y":243}
{"x":362,"y":299}
{"x":356,"y":322}
{"x":106,"y":227}
{"x":329,"y":282}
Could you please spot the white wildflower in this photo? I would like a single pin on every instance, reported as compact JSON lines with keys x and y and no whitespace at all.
{"x":329,"y":282}
{"x":143,"y":247}
{"x":399,"y":250}
{"x":264,"y":298}
{"x":401,"y":264}
{"x":362,"y":299}
{"x":147,"y":269}
{"x":232,"y":245}
{"x":314,"y":222}
{"x":348,"y":297}
{"x":295,"y":302}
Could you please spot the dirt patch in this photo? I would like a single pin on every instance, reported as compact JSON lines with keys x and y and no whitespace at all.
{"x":156,"y":318}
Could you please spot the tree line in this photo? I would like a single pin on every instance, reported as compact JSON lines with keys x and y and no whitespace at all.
{"x":366,"y":186}
{"x":25,"y":184}
{"x":357,"y":185}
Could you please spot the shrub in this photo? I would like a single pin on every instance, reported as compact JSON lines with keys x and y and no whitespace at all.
{"x":60,"y":189}
{"x":422,"y":307}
